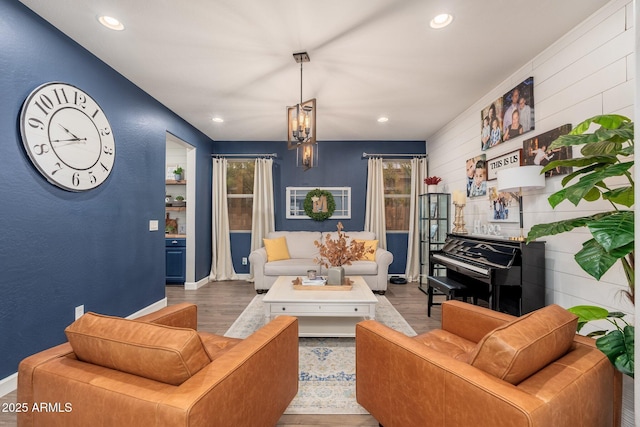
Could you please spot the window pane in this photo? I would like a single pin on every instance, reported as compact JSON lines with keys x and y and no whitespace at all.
{"x":240,"y":182}
{"x":397,"y":177}
{"x":396,"y":211}
{"x":240,"y":177}
{"x":240,"y":213}
{"x":397,"y":190}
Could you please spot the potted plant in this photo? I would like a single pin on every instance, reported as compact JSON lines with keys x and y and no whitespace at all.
{"x":336,"y":253}
{"x":179,"y":201}
{"x":177,"y":173}
{"x":432,"y":183}
{"x":606,"y":153}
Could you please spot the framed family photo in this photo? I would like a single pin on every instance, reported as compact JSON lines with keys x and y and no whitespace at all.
{"x":491,"y":125}
{"x":536,"y":150}
{"x":503,"y":206}
{"x":508,"y":117}
{"x":476,"y":169}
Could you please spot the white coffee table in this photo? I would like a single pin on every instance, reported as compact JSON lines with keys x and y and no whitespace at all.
{"x":321,"y":313}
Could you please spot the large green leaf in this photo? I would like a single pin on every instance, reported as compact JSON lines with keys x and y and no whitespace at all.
{"x":552,"y":228}
{"x":608,"y":121}
{"x":622,"y":196}
{"x":593,"y":259}
{"x":599,"y":148}
{"x":576,"y":192}
{"x":580,"y":162}
{"x":587,"y":313}
{"x":618,"y":346}
{"x":613,"y":231}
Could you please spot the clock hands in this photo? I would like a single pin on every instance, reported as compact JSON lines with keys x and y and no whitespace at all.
{"x":69,"y":132}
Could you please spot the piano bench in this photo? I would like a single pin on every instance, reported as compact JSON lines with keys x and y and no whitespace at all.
{"x":450,"y":288}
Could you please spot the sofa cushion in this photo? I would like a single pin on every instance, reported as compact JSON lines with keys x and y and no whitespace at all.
{"x":276,"y":249}
{"x":158,"y":352}
{"x":290,"y":267}
{"x":361,"y":268}
{"x":300,"y":243}
{"x":447,"y":343}
{"x":368,"y":245}
{"x":520,"y":348}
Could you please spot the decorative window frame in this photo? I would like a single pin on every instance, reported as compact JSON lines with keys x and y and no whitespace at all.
{"x":295,"y":202}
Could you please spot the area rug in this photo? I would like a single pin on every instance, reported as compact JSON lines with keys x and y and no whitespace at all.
{"x":327,"y":365}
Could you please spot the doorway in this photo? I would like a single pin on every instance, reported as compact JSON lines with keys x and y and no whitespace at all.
{"x":180,"y":153}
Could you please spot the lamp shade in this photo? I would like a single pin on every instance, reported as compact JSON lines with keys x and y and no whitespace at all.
{"x":514,"y":179}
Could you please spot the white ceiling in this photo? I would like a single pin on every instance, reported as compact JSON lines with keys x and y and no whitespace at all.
{"x":233,"y":58}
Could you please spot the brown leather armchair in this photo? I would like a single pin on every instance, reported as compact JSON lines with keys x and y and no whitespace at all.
{"x":485,"y":368}
{"x":159,"y":371}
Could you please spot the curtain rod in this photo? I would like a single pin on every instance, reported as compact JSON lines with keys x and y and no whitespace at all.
{"x":393,"y":155}
{"x":275,"y":155}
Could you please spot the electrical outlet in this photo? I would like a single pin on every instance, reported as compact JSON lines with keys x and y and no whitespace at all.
{"x":244,"y":260}
{"x":79,"y":311}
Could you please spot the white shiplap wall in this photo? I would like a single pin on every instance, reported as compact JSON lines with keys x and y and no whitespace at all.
{"x":589,"y":71}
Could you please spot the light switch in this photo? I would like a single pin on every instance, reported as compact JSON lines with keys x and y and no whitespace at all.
{"x":153,"y":225}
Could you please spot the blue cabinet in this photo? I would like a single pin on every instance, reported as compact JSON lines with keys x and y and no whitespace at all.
{"x":176,"y":259}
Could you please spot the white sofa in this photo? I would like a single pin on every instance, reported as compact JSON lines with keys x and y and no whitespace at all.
{"x":302,"y":253}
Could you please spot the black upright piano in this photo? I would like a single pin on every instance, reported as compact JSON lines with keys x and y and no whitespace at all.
{"x":509,"y":274}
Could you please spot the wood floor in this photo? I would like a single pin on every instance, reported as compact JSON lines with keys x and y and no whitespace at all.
{"x":220,"y":303}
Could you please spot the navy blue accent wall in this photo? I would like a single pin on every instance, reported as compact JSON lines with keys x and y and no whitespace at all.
{"x":61,"y":249}
{"x":340,"y":165}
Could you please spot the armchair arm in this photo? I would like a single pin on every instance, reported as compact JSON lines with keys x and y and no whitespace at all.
{"x":257,"y":260}
{"x":255,"y":380}
{"x":470,"y":321}
{"x":183,"y":315}
{"x":383,"y":257}
{"x":402,"y":382}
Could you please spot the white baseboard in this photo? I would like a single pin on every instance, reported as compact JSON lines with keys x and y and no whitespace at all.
{"x":192,"y":286}
{"x":8,"y":384}
{"x":244,"y":276}
{"x":149,"y":309}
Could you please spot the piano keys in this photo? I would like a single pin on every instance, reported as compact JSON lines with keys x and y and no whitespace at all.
{"x":510,"y":275}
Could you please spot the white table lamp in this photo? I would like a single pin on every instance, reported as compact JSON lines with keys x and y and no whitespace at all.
{"x":517,"y":179}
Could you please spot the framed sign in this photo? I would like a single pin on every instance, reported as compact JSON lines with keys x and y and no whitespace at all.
{"x":505,"y":161}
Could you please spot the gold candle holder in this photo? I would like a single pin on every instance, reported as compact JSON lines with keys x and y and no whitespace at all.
{"x":459,"y":219}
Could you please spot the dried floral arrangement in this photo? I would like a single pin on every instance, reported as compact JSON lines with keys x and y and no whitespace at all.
{"x":432,"y":180}
{"x":336,"y":253}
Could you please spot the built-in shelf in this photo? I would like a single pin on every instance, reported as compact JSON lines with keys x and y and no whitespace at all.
{"x":174,"y":182}
{"x":175,"y":208}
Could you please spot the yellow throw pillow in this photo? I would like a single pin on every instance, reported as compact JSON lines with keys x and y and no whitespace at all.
{"x":276,"y":249}
{"x":369,"y":244}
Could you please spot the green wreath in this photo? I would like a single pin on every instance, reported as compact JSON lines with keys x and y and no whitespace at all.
{"x":308,"y":205}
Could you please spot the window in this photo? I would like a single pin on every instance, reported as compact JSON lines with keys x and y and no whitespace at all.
{"x":240,"y":194}
{"x":297,"y":195}
{"x":397,"y":194}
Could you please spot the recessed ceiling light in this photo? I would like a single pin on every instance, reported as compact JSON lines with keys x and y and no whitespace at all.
{"x":218,"y":119}
{"x":111,"y":22}
{"x":441,"y":21}
{"x":383,"y":119}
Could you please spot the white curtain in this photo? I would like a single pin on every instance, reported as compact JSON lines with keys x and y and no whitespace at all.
{"x":221,"y":263}
{"x":418,"y":174}
{"x":263,"y":217}
{"x":374,"y":219}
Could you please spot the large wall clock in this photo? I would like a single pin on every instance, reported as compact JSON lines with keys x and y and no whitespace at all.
{"x":67,"y":136}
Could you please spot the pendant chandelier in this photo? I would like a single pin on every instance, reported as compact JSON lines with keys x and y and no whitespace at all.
{"x":301,"y":125}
